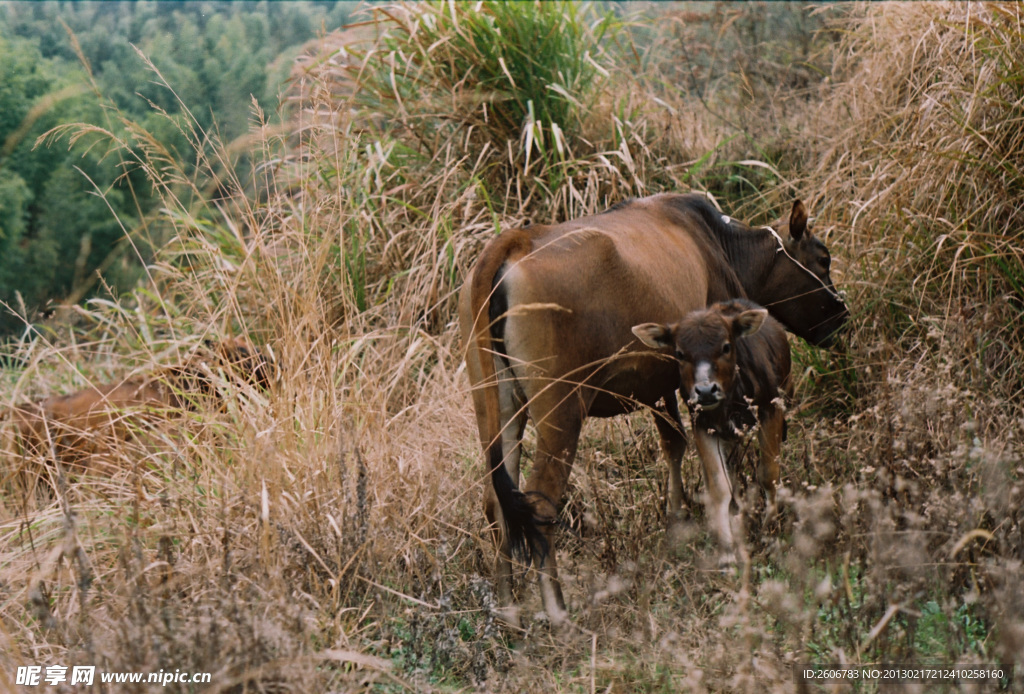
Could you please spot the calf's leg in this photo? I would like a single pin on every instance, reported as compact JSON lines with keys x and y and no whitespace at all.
{"x":770,"y":444}
{"x":713,"y":456}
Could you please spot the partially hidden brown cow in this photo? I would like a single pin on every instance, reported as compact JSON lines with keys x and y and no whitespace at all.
{"x":72,"y":427}
{"x":734,"y":372}
{"x":546,"y":317}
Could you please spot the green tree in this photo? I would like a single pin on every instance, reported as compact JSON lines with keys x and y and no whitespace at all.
{"x":64,"y":211}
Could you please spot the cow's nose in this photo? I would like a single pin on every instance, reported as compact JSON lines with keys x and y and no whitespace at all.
{"x":708,"y":394}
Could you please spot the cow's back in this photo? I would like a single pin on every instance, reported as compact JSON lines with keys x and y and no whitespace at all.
{"x":573,"y":298}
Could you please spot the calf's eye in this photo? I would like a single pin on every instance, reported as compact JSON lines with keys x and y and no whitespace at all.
{"x":726,"y":348}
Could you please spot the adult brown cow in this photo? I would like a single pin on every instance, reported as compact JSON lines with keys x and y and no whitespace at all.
{"x":734,"y":373}
{"x":546,"y":317}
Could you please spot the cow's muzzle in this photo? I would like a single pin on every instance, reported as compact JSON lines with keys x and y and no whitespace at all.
{"x":707,"y":396}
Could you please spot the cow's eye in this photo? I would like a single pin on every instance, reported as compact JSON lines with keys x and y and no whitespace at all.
{"x":726,"y":348}
{"x":682,"y":356}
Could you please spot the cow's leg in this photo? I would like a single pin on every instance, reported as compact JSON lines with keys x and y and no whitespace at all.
{"x":673,"y":447}
{"x":713,"y":456}
{"x":513,"y":418}
{"x":770,"y":442}
{"x":558,"y":432}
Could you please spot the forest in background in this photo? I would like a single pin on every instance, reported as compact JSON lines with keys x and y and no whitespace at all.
{"x":77,"y":221}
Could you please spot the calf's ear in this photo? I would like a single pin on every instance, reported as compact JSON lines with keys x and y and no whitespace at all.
{"x":749,"y":322}
{"x":654,"y":334}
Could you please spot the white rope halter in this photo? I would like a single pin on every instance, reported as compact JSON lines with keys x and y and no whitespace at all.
{"x":782,"y":249}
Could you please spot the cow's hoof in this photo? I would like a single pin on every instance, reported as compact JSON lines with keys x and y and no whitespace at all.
{"x":509,"y":616}
{"x":727,"y":562}
{"x":562,"y":626}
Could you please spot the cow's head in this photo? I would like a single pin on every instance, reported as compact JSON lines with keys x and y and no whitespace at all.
{"x":803,"y":246}
{"x":799,"y":289}
{"x":704,"y":343}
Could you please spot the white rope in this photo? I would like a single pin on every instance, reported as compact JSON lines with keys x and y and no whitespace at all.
{"x":782,"y":249}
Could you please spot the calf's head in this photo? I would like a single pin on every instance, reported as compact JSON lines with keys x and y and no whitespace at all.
{"x":705,"y":345}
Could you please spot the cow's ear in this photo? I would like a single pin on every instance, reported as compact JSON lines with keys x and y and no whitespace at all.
{"x":797,"y":221}
{"x":749,"y":322}
{"x":654,"y":334}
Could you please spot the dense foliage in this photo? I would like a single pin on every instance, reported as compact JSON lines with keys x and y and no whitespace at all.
{"x":76,"y":221}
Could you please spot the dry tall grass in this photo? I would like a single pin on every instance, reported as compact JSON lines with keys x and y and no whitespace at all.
{"x":328,"y":535}
{"x":917,"y":165}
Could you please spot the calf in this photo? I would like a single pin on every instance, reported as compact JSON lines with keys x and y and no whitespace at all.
{"x":734,"y":372}
{"x":75,"y":426}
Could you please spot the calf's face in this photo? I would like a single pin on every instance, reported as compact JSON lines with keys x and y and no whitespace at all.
{"x":704,"y":343}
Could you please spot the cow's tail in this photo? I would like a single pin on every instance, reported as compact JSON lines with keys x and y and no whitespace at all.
{"x":488,"y":311}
